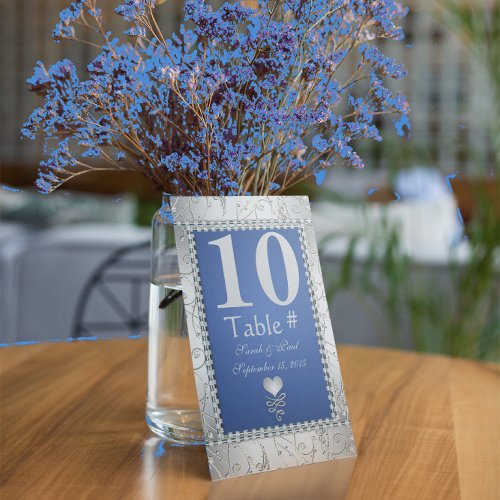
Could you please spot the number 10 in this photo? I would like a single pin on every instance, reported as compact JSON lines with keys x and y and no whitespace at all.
{"x":233,"y":293}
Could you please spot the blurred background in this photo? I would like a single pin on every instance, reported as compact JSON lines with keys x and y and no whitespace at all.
{"x":410,"y":244}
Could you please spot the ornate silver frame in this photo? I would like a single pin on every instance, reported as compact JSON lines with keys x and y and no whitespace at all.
{"x":270,"y":448}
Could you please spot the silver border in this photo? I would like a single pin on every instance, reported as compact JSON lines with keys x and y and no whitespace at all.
{"x":270,"y":448}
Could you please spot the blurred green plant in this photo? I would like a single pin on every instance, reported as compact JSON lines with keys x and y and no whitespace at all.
{"x":459,"y":314}
{"x":478,"y":26}
{"x":146,"y":210}
{"x":476,"y":23}
{"x":461,"y":320}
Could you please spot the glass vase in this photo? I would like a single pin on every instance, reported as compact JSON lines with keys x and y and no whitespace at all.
{"x":172,"y":410}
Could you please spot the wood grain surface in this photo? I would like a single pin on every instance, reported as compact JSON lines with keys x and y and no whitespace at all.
{"x":72,"y":426}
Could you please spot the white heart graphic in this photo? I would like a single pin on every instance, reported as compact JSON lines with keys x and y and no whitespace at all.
{"x":273,"y":385}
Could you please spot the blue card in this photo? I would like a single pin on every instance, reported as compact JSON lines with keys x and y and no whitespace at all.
{"x":264,"y":356}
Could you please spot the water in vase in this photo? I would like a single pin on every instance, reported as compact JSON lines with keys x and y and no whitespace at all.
{"x":172,"y":407}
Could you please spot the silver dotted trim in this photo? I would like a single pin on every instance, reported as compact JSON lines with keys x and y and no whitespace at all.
{"x":250,"y":434}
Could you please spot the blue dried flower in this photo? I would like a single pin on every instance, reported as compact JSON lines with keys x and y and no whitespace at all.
{"x":133,"y":10}
{"x":247,"y":101}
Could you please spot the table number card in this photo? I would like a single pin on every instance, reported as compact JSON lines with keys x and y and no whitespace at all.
{"x":264,"y":357}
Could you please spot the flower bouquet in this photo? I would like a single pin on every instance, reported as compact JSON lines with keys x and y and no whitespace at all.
{"x":240,"y":101}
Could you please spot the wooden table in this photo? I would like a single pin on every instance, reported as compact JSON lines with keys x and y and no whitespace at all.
{"x":72,"y":426}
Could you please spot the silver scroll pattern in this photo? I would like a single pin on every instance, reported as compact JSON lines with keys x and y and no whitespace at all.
{"x":281,"y":446}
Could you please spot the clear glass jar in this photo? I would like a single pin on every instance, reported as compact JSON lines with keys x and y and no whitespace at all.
{"x":172,"y":410}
